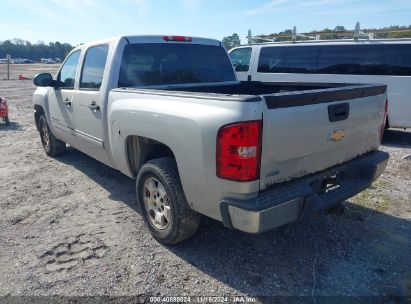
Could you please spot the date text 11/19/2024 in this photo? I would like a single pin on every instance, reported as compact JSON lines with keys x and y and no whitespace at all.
{"x":203,"y":299}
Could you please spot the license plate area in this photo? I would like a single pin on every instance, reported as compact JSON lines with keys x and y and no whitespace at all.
{"x":330,"y":183}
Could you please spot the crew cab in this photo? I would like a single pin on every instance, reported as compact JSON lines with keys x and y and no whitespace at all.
{"x":170,"y":112}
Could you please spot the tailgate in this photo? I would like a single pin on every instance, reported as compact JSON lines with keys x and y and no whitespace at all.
{"x":309,"y":131}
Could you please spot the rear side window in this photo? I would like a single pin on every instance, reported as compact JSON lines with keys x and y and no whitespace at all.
{"x":67,"y":73}
{"x":241,"y":59}
{"x":288,"y":59}
{"x":93,"y":68}
{"x":148,"y":64}
{"x":383,"y":59}
{"x":370,"y":59}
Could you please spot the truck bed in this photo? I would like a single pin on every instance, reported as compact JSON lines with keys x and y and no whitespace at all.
{"x":257,"y":88}
{"x":308,"y":128}
{"x":278,"y":94}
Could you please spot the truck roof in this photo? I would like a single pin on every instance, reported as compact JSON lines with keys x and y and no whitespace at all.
{"x":157,"y":39}
{"x":169,"y":38}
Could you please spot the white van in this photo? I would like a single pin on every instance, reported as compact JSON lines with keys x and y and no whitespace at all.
{"x":339,"y":61}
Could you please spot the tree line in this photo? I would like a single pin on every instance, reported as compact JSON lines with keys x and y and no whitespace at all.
{"x":18,"y":48}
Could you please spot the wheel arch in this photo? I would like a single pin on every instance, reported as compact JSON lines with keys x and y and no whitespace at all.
{"x":140,"y":149}
{"x":38,"y":111}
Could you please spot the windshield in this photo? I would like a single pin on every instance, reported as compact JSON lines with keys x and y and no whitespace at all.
{"x":151,"y":64}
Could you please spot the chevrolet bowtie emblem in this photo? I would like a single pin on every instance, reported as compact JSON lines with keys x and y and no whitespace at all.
{"x":337,"y":135}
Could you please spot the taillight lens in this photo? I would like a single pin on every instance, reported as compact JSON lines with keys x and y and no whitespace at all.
{"x":239,"y":151}
{"x":382,"y":128}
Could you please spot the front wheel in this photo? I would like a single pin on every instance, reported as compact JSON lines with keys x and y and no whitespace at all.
{"x":163,"y":204}
{"x":51,"y":145}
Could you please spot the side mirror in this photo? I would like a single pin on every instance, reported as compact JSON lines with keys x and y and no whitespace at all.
{"x":43,"y":80}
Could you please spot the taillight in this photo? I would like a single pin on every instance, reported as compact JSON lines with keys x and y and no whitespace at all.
{"x":178,"y":38}
{"x":382,"y":128}
{"x":239,"y":151}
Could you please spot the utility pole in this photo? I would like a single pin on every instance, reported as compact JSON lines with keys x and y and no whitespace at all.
{"x":8,"y":66}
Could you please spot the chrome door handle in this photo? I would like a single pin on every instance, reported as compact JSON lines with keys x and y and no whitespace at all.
{"x":93,"y":106}
{"x":67,"y":102}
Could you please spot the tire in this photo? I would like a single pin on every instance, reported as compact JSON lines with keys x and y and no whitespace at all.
{"x":163,"y":204}
{"x":51,"y":145}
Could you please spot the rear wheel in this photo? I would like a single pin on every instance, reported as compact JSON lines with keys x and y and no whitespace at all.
{"x":163,"y":204}
{"x":51,"y":145}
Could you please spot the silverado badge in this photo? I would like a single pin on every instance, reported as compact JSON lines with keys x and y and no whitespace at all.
{"x":337,"y":135}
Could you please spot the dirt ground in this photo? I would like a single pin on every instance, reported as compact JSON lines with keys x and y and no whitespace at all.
{"x":69,"y":226}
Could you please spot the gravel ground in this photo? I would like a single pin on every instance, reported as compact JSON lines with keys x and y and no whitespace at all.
{"x":70,"y":227}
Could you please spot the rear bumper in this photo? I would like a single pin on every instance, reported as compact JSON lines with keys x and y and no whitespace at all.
{"x":287,"y":202}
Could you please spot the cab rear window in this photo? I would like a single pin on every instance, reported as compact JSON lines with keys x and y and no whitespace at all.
{"x":149,"y":64}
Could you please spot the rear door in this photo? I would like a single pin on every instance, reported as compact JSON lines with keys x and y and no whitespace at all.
{"x":61,"y":99}
{"x":90,"y":96}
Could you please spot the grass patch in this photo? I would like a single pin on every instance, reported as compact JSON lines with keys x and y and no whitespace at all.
{"x":374,"y":197}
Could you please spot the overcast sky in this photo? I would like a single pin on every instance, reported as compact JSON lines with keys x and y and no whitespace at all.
{"x":77,"y":21}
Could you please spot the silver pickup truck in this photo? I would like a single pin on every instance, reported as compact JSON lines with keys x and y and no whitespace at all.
{"x":169,"y":112}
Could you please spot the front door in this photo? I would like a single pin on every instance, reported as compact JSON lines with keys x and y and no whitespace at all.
{"x":90,"y":97}
{"x":61,"y":99}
